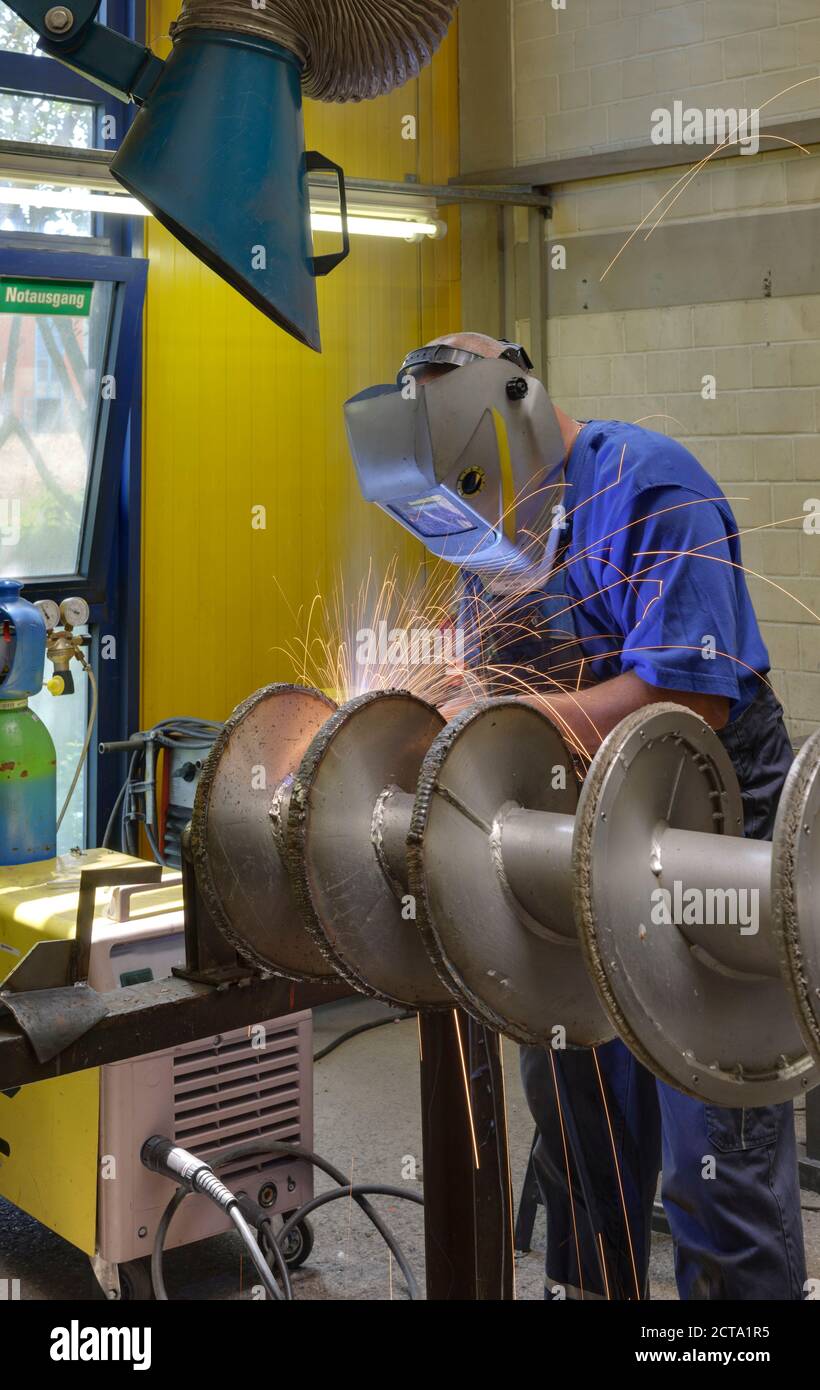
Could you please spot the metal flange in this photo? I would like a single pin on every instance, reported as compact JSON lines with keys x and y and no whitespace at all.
{"x":239,"y":869}
{"x":523,"y":976}
{"x":351,"y":900}
{"x":796,"y":889}
{"x":716,"y":1032}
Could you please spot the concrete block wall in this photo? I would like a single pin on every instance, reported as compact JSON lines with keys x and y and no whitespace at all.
{"x":759,"y":436}
{"x":589,"y":76}
{"x":586,"y":80}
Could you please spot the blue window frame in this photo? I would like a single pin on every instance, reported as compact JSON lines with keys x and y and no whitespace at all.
{"x":27,"y":73}
{"x":107,"y":564}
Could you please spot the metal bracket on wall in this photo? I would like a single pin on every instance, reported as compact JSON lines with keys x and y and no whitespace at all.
{"x":536,"y":280}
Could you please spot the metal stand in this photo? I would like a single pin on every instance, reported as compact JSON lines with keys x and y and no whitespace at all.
{"x":467,"y":1197}
{"x":809,"y":1166}
{"x":209,"y":957}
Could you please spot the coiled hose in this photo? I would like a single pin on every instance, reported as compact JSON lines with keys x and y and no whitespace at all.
{"x":350,"y":50}
{"x":195,"y":1174}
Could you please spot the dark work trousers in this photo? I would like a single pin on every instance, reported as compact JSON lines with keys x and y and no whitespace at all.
{"x":738,"y":1235}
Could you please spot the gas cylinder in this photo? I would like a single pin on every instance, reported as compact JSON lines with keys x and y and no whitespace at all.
{"x":28,"y":762}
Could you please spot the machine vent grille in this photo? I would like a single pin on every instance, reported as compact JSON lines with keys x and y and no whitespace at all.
{"x":228,"y":1091}
{"x":176,"y":819}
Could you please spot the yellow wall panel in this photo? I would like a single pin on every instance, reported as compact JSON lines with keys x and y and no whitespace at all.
{"x":237,"y":415}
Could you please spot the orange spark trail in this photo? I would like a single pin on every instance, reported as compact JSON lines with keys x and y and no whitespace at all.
{"x":690,"y":174}
{"x":466,"y":1088}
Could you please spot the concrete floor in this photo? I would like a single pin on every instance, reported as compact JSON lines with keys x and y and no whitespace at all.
{"x":367,"y":1123}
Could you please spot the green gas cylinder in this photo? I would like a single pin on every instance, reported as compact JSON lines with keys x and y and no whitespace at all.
{"x":28,"y":785}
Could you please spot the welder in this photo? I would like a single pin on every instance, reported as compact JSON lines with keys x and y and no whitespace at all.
{"x":601,"y":572}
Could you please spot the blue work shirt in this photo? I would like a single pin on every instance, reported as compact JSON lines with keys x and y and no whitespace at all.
{"x":650,"y":579}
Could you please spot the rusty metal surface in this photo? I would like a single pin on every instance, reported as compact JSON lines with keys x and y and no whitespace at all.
{"x":353,"y":909}
{"x":46,"y":966}
{"x":52,"y":1019}
{"x":239,"y":870}
{"x":150,"y":1017}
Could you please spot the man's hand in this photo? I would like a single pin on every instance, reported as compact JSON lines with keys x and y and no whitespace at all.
{"x":453,"y":706}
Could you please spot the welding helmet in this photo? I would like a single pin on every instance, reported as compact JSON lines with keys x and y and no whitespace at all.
{"x":471,"y":461}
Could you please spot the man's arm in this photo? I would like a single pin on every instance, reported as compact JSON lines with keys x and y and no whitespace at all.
{"x":680,"y":549}
{"x":587,"y":716}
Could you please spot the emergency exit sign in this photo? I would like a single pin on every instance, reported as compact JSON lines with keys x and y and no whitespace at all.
{"x":45,"y":297}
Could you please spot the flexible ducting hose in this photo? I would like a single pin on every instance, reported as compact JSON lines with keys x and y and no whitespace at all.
{"x":351,"y":50}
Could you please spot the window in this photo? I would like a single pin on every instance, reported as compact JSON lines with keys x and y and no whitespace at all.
{"x":66,"y":386}
{"x":69,"y":447}
{"x":44,"y":121}
{"x":51,"y":397}
{"x":43,"y":102}
{"x":15,"y":35}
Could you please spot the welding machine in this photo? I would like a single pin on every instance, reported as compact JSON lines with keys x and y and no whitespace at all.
{"x":70,"y":1146}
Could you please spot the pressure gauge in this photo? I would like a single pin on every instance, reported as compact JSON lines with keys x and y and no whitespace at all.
{"x":50,"y":612}
{"x":75,"y":611}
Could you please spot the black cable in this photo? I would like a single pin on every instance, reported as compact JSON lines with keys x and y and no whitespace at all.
{"x":110,"y":826}
{"x":260,"y":1263}
{"x":195,"y":1174}
{"x":265,"y":1148}
{"x":261,"y":1219}
{"x":262,"y":1148}
{"x":153,"y":846}
{"x":158,"y":1249}
{"x":118,"y":806}
{"x":126,"y":826}
{"x":362,"y":1028}
{"x":357,"y":1189}
{"x":180,"y":732}
{"x":272,"y":1248}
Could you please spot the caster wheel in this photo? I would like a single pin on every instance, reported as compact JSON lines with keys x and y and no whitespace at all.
{"x":135,"y":1281}
{"x":298,"y":1244}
